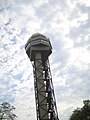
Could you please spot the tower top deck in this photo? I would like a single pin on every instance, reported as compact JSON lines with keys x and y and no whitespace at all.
{"x":37,"y":39}
{"x":38,"y":42}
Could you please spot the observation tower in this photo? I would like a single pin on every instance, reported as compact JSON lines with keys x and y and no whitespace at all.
{"x":38,"y":49}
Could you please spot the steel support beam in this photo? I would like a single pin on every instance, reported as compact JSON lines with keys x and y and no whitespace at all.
{"x":44,"y":91}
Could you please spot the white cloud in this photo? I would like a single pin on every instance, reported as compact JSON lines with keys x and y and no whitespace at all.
{"x":79,"y":57}
{"x":66,"y":24}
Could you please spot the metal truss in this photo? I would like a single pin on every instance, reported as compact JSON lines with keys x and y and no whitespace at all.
{"x":44,"y":91}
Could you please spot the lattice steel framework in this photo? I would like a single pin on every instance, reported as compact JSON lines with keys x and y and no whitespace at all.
{"x":44,"y":90}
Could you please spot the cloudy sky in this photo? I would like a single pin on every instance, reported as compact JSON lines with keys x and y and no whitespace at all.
{"x":67,"y":24}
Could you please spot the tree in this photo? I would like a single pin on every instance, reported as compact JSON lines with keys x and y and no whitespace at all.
{"x":82,"y":113}
{"x":6,"y":111}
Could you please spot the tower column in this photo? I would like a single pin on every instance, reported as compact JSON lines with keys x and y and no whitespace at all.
{"x":38,"y":49}
{"x":40,"y":88}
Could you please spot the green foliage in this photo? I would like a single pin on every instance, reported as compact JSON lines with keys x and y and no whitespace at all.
{"x":6,"y":111}
{"x":82,"y":113}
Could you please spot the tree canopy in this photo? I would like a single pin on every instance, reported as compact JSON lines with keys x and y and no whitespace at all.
{"x":6,"y":111}
{"x":82,"y":113}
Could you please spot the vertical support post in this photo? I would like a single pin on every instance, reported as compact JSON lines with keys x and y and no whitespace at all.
{"x":40,"y":92}
{"x":44,"y":90}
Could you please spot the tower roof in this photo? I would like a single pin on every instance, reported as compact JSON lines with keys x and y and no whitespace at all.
{"x":38,"y":34}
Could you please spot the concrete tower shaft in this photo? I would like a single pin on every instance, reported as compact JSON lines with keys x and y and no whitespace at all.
{"x":38,"y":49}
